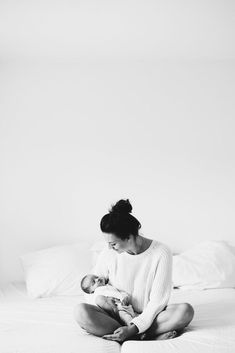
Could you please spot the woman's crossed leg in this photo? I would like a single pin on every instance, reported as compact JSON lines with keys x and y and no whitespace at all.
{"x":95,"y":320}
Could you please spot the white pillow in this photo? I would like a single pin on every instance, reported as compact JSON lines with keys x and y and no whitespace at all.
{"x":57,"y":270}
{"x":96,"y":249}
{"x":210,"y":264}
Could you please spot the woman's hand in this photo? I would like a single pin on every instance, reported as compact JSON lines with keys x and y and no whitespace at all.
{"x":122,"y":333}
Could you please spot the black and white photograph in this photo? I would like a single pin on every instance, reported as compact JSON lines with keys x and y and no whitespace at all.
{"x":117,"y":176}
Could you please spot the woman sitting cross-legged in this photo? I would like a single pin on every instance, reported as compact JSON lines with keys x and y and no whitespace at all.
{"x":141,"y":267}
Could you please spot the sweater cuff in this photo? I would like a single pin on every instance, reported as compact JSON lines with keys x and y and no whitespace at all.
{"x":139,"y":324}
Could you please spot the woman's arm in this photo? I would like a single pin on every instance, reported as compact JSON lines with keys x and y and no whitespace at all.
{"x":160,"y":292}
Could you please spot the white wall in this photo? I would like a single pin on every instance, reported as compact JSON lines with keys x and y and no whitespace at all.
{"x":77,"y":135}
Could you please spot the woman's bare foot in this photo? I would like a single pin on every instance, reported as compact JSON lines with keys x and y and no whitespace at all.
{"x":167,"y":336}
{"x":164,"y":336}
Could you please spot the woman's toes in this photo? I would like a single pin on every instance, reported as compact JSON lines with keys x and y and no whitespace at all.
{"x":167,"y":335}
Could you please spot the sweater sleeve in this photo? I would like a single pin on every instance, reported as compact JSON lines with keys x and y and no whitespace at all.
{"x":160,"y":292}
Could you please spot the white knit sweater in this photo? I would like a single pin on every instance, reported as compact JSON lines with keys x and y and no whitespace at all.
{"x":147,"y":277}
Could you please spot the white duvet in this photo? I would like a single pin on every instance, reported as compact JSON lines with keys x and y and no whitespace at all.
{"x":47,"y":325}
{"x":211,"y":331}
{"x":44,"y":325}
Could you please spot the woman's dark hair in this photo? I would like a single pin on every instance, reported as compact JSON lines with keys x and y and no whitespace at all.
{"x":119,"y":221}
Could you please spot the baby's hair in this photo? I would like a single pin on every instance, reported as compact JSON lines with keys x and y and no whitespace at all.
{"x":119,"y":221}
{"x":85,"y":288}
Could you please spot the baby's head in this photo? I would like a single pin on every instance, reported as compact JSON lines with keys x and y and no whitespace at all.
{"x":90,"y":282}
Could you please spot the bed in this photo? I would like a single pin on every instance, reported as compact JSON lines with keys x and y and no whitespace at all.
{"x":46,"y":325}
{"x":36,"y":315}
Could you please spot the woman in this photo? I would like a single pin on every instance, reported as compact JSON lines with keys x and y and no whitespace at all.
{"x":141,"y":267}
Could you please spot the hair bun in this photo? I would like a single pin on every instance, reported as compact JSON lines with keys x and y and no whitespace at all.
{"x":122,"y":206}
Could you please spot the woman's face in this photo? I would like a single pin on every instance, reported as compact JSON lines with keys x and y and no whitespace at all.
{"x":116,"y":243}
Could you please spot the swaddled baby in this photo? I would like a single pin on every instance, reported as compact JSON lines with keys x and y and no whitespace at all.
{"x":109,"y":298}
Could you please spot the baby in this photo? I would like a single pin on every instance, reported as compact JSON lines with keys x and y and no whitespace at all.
{"x":109,"y":298}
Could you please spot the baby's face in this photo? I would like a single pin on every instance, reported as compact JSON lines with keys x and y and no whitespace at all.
{"x":93,"y":281}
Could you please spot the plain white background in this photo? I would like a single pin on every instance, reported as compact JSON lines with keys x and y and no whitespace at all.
{"x":102,"y":100}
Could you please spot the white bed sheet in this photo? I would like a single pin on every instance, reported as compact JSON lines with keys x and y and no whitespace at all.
{"x":211,"y":331}
{"x":44,"y":325}
{"x":47,"y":325}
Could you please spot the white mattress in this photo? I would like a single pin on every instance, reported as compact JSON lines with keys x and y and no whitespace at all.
{"x":44,"y":325}
{"x":47,"y":325}
{"x":212,"y":329}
